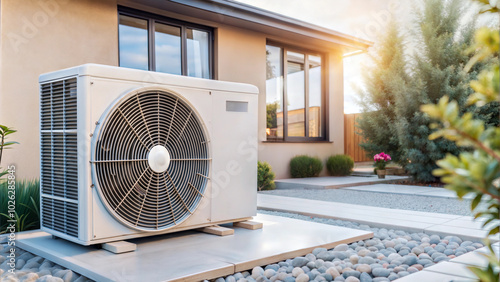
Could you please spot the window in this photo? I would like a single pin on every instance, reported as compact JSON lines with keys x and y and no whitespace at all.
{"x":294,"y":95}
{"x":150,"y":42}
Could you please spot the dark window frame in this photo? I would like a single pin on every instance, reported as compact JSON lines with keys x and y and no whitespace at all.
{"x":324,"y":97}
{"x":154,"y":18}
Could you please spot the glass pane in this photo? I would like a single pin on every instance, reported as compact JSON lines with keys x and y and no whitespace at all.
{"x":315,"y":124}
{"x":133,"y":42}
{"x":168,"y":48}
{"x":198,"y":64}
{"x":274,"y":93}
{"x":295,"y":87}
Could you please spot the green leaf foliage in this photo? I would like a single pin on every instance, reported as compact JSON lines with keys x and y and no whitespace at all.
{"x":340,"y":165}
{"x":27,"y":205}
{"x":476,"y":169}
{"x":265,"y":177}
{"x":305,"y":166}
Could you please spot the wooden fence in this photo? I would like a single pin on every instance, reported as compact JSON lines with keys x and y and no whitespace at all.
{"x":352,"y":139}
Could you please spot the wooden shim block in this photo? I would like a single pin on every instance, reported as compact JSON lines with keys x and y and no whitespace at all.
{"x":252,"y":225}
{"x":119,"y":247}
{"x":217,"y":230}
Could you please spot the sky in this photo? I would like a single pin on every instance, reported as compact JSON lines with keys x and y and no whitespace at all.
{"x":361,"y":18}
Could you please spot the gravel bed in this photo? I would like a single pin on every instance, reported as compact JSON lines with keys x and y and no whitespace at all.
{"x":31,"y":268}
{"x":389,"y":255}
{"x":384,"y":200}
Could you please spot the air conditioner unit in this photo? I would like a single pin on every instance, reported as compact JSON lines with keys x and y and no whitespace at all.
{"x":128,"y":153}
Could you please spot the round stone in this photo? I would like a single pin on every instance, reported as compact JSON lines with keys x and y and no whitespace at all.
{"x":269,"y":273}
{"x":257,"y":271}
{"x":381,"y":272}
{"x":351,"y":279}
{"x":341,"y":248}
{"x":365,"y":277}
{"x":158,"y":158}
{"x":297,"y":271}
{"x":389,"y":244}
{"x":299,"y":261}
{"x":333,"y":272}
{"x":354,"y":259}
{"x":366,"y":260}
{"x":364,"y":268}
{"x":412,"y":269}
{"x":302,"y":278}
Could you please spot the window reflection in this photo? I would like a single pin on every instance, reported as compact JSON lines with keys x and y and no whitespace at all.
{"x":168,"y":49}
{"x":133,"y":43}
{"x":274,"y":93}
{"x":197,"y":53}
{"x":295,"y":87}
{"x":315,"y":125}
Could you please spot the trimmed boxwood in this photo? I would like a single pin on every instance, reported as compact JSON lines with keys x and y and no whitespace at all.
{"x":340,"y":165}
{"x":265,"y":177}
{"x":305,"y":166}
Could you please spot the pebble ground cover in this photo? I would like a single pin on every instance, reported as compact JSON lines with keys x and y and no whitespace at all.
{"x":389,"y":255}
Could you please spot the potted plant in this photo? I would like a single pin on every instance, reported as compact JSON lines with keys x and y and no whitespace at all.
{"x":380,"y":163}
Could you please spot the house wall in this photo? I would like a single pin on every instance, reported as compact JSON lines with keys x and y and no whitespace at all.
{"x":43,"y":36}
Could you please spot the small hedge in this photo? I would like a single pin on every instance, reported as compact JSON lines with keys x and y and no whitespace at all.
{"x":339,"y":165}
{"x":265,"y":177}
{"x":305,"y":166}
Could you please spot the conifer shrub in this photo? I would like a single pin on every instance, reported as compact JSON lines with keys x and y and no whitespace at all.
{"x":339,"y":165}
{"x":305,"y":166}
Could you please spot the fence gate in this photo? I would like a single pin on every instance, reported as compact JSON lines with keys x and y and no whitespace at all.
{"x":352,"y":139}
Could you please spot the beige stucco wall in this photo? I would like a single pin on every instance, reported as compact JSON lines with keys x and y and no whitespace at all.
{"x":43,"y":36}
{"x":38,"y":38}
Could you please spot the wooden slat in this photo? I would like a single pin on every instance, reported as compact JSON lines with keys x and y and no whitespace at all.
{"x":352,"y":139}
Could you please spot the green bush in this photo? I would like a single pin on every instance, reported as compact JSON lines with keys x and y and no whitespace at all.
{"x":305,"y":166}
{"x":265,"y":176}
{"x":339,"y":165}
{"x":27,"y":207}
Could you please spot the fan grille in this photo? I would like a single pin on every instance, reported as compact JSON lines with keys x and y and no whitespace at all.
{"x":136,"y":194}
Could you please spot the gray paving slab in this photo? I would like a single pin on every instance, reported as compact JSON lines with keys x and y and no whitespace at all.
{"x":333,"y":182}
{"x":408,"y":190}
{"x":393,"y":188}
{"x":452,"y":268}
{"x":431,"y":223}
{"x":428,"y":276}
{"x":191,"y":255}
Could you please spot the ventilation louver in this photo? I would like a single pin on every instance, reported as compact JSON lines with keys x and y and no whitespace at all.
{"x":151,"y":160}
{"x":59,"y":167}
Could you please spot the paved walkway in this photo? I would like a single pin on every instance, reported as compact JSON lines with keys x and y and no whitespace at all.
{"x":334,"y":182}
{"x":409,"y":190}
{"x":415,"y":221}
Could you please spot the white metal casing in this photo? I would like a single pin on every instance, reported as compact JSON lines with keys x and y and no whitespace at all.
{"x":230,"y":193}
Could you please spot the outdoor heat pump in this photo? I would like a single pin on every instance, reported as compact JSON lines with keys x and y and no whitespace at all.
{"x":128,"y":153}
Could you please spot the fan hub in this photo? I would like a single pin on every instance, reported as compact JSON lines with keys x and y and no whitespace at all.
{"x":158,"y":158}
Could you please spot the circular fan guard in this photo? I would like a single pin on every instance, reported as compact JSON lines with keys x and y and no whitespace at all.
{"x":130,"y":188}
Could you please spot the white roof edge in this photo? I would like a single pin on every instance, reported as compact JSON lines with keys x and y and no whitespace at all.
{"x":259,"y":12}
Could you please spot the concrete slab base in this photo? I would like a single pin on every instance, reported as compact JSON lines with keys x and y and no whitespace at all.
{"x":191,"y":255}
{"x":334,"y":182}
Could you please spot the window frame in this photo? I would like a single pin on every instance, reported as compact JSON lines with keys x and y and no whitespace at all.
{"x":183,"y":25}
{"x":324,"y":112}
